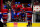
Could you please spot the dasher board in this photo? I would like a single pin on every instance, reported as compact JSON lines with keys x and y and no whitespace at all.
{"x":22,"y":24}
{"x":17,"y":24}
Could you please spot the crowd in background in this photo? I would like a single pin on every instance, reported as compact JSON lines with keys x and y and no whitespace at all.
{"x":36,"y":2}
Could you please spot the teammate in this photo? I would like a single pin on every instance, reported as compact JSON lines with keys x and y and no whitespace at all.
{"x":13,"y":12}
{"x":24,"y":9}
{"x":18,"y":11}
{"x":28,"y":11}
{"x":29,"y":15}
{"x":5,"y":15}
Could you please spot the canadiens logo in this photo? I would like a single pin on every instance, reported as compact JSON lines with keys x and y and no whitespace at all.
{"x":15,"y":24}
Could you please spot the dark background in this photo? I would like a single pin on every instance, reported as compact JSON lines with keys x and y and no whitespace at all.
{"x":36,"y":0}
{"x":22,"y":1}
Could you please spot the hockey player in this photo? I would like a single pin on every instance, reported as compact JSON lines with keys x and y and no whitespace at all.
{"x":18,"y":7}
{"x":18,"y":10}
{"x":28,"y":11}
{"x":5,"y":15}
{"x":29,"y":15}
{"x":13,"y":13}
{"x":24,"y":8}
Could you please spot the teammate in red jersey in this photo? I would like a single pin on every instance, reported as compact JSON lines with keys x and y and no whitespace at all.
{"x":28,"y":11}
{"x":29,"y":15}
{"x":18,"y":11}
{"x":13,"y":16}
{"x":5,"y":15}
{"x":16,"y":7}
{"x":24,"y":9}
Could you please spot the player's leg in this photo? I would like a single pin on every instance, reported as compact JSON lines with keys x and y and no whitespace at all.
{"x":28,"y":19}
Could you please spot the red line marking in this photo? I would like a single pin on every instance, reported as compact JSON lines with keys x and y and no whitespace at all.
{"x":15,"y":24}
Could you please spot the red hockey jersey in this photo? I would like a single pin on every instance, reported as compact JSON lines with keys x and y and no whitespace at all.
{"x":29,"y":9}
{"x":4,"y":11}
{"x":18,"y":6}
